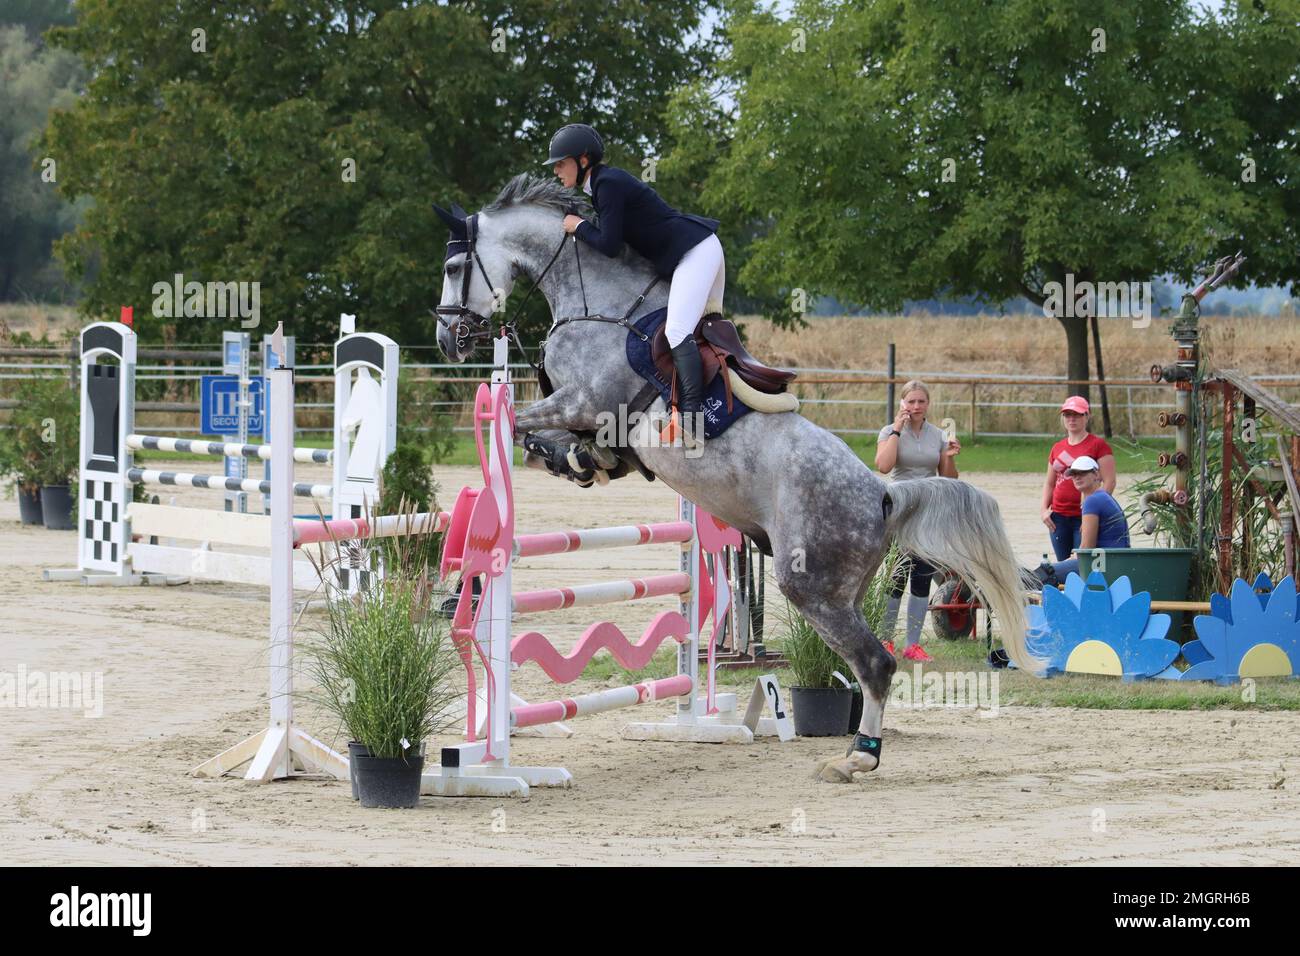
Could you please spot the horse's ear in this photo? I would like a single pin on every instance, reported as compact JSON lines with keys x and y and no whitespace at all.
{"x":457,"y":211}
{"x":454,"y":222}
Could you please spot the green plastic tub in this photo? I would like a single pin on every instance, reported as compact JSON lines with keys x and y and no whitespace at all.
{"x":1165,"y":572}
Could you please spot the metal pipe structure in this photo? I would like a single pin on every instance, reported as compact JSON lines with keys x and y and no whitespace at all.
{"x":1224,"y":540}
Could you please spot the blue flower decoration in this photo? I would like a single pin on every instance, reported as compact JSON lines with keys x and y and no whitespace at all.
{"x":1100,"y":629}
{"x":1247,"y":635}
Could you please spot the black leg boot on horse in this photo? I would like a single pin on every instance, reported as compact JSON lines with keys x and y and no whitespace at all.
{"x":690,"y":391}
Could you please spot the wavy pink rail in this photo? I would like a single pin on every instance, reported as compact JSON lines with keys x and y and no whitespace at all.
{"x":534,"y":646}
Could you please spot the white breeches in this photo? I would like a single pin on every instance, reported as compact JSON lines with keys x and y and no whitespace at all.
{"x":697,"y":281}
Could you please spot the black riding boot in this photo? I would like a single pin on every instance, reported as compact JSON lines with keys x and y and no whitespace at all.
{"x":690,"y":390}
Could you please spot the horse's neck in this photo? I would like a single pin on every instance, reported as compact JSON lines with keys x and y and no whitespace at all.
{"x":607,"y":286}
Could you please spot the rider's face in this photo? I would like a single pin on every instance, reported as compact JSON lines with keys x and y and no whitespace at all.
{"x":566,"y":170}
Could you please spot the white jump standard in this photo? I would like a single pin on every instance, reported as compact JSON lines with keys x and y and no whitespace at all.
{"x":281,"y":749}
{"x":365,"y":434}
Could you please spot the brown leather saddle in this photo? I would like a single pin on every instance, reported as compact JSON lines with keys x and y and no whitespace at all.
{"x":720,"y":345}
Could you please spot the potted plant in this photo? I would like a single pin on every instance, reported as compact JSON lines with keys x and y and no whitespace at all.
{"x":821,"y":701}
{"x":45,"y":446}
{"x":60,"y":410}
{"x":14,"y":467}
{"x":382,"y":664}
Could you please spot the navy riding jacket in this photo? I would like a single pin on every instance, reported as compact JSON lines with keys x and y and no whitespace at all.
{"x":630,"y":211}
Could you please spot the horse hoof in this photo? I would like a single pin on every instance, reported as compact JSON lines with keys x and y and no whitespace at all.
{"x":842,"y":769}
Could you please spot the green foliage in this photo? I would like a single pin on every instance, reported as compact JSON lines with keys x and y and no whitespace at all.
{"x":1096,"y":692}
{"x":1064,"y":158}
{"x":35,"y":80}
{"x":383,"y":662}
{"x":406,"y":478}
{"x":876,"y":600}
{"x":407,"y":488}
{"x":36,"y":16}
{"x":421,"y":423}
{"x":811,"y":660}
{"x":222,"y":156}
{"x":1176,"y":527}
{"x":42,"y":445}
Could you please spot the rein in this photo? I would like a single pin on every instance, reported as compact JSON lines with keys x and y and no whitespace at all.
{"x":465,"y":324}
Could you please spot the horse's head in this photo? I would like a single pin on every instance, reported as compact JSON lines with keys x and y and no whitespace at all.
{"x":477,"y":276}
{"x":517,"y":233}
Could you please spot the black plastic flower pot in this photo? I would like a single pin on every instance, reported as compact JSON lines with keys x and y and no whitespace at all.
{"x":389,"y":782}
{"x":29,"y":505}
{"x":855,"y":712}
{"x":56,"y":507}
{"x":821,"y":711}
{"x":355,"y":750}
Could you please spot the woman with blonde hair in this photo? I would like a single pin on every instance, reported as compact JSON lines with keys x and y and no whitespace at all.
{"x":907,"y":448}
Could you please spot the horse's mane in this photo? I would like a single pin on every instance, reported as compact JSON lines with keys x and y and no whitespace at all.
{"x":527,"y":188}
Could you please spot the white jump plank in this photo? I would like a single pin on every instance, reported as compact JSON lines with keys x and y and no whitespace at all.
{"x":193,"y":524}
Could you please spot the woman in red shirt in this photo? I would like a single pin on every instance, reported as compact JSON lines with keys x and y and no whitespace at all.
{"x":1062,"y":513}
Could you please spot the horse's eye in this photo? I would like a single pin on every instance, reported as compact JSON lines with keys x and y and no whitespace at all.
{"x":453,"y":269}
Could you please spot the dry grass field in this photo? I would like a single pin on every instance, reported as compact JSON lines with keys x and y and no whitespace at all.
{"x":1009,"y":345}
{"x":932,"y":346}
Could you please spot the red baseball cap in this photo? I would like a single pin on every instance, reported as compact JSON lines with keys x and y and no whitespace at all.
{"x":1076,"y":403}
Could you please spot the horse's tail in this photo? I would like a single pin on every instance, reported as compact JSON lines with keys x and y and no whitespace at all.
{"x":953,"y":525}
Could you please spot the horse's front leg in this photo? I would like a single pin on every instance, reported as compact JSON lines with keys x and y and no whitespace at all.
{"x":549,"y":443}
{"x":566,"y":408}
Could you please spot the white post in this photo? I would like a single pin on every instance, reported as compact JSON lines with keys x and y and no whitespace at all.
{"x":281,"y":422}
{"x":497,"y":617}
{"x":281,"y":749}
{"x":688,"y":653}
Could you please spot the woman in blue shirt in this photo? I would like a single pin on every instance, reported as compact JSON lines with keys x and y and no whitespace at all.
{"x":1103,"y":524}
{"x":681,"y":246}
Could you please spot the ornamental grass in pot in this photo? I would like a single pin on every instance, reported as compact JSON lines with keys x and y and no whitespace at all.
{"x":383,"y":665}
{"x":830,"y":705}
{"x":821,"y":701}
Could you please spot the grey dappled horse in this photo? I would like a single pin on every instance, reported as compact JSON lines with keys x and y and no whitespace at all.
{"x":793,"y":487}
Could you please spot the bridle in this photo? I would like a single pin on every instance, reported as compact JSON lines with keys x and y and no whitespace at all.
{"x":466,"y":325}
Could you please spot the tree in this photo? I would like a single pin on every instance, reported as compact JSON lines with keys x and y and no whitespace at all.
{"x":35,"y":79}
{"x":901,"y":150}
{"x":219,"y":141}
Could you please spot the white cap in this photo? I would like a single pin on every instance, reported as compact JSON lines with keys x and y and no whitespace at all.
{"x":1081,"y":464}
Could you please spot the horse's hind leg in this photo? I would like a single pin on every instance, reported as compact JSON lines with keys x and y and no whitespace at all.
{"x":847,"y":633}
{"x":837,"y":616}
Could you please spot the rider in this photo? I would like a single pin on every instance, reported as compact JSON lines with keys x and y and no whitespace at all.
{"x":681,"y":246}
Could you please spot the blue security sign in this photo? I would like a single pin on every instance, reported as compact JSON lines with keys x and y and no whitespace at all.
{"x":219,"y":405}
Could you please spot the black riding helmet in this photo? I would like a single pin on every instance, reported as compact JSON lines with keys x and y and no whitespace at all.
{"x":574,"y":140}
